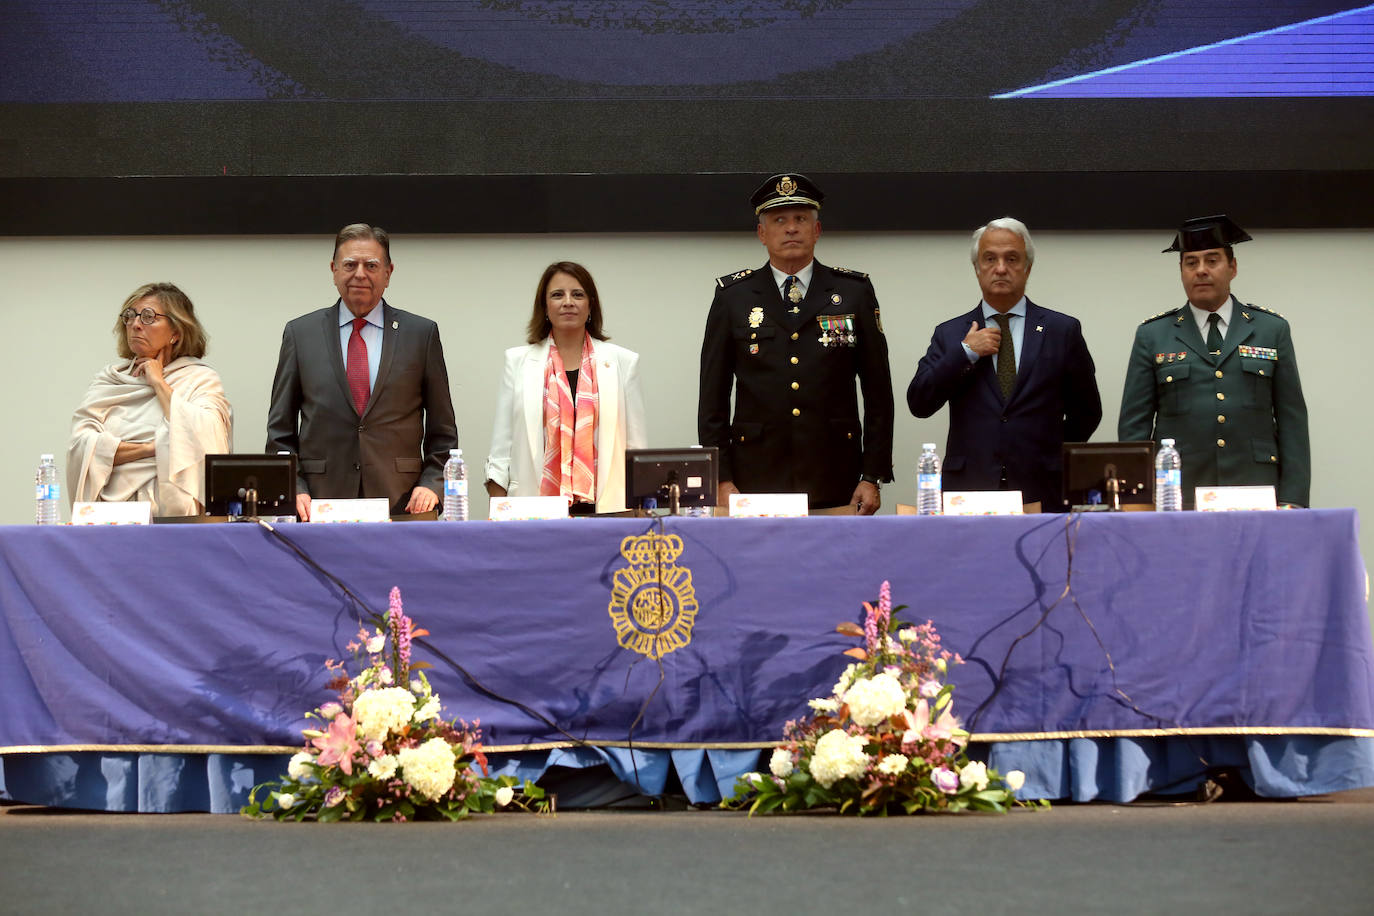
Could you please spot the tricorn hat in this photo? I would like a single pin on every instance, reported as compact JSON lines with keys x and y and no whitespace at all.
{"x":1204,"y":232}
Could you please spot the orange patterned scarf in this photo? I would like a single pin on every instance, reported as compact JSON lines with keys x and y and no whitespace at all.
{"x":570,"y":428}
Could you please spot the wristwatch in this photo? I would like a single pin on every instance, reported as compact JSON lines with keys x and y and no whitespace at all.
{"x":869,"y":478}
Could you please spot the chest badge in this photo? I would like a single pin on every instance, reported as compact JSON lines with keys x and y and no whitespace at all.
{"x":756,"y":317}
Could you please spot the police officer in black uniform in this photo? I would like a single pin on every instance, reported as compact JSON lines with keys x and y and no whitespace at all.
{"x":790,"y":337}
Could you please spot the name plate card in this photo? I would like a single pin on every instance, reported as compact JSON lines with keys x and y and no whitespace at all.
{"x":332,"y":511}
{"x":983,"y":502}
{"x":1230,"y":499}
{"x":525,"y":508}
{"x":768,"y":505}
{"x":136,"y":513}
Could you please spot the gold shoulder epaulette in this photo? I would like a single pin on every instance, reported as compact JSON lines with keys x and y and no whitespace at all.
{"x":728,"y":279}
{"x":1260,"y":308}
{"x":850,"y":273}
{"x":1160,"y":315}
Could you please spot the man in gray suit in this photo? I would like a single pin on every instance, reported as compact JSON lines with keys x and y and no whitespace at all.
{"x":361,"y":392}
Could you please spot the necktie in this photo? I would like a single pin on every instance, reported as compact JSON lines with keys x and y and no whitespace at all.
{"x":791,"y":291}
{"x":1214,"y":334}
{"x":357,"y":366}
{"x":1006,"y":357}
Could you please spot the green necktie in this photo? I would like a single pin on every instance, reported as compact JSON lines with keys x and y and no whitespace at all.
{"x":1006,"y":357}
{"x":1214,"y":334}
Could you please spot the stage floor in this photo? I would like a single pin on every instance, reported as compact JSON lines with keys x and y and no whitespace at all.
{"x":1231,"y":856}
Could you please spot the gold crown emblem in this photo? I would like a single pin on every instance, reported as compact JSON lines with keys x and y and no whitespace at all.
{"x":787,"y":187}
{"x":652,"y":613}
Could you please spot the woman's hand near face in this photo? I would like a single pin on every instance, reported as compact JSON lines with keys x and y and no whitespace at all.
{"x":150,"y":368}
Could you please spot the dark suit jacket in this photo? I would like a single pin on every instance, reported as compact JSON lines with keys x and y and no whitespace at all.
{"x":1055,"y":401}
{"x":1239,"y":418}
{"x":796,"y":416}
{"x":403,"y":438}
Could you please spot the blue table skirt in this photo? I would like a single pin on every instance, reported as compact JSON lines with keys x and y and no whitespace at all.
{"x":1080,"y":769}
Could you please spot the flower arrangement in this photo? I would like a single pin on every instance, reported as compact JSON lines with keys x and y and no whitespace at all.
{"x":382,"y":750}
{"x":885,"y":740}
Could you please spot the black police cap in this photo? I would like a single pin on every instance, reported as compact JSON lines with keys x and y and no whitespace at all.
{"x":789,"y":190}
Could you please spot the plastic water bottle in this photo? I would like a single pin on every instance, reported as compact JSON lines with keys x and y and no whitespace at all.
{"x":455,"y":487}
{"x":928,"y":482}
{"x":1168,"y":478}
{"x":47,"y":491}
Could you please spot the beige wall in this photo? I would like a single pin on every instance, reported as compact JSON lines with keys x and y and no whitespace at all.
{"x":63,"y":294}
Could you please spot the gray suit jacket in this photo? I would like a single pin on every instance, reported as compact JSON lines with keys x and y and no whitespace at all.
{"x":402,"y":439}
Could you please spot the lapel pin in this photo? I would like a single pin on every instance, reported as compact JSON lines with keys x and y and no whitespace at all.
{"x":395,"y":325}
{"x":1039,"y":328}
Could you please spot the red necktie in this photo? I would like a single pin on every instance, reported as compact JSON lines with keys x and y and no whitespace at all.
{"x":357,"y":366}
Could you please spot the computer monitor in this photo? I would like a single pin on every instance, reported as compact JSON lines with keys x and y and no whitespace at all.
{"x":652,"y":474}
{"x":232,"y":482}
{"x":1109,"y":475}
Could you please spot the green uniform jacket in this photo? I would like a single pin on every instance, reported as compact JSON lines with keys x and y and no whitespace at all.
{"x":1239,"y":419}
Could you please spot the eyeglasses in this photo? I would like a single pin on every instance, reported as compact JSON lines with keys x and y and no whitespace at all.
{"x":145,"y":317}
{"x":349,"y":265}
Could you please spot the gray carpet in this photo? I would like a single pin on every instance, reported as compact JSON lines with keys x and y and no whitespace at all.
{"x":1252,"y":857}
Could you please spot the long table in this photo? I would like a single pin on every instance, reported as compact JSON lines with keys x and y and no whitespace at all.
{"x":169,"y":667}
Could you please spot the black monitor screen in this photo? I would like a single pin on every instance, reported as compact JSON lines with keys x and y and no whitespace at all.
{"x":228,"y":478}
{"x":649,"y":472}
{"x":1089,"y":465}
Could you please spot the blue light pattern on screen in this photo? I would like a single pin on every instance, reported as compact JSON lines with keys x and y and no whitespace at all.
{"x":1328,"y":56}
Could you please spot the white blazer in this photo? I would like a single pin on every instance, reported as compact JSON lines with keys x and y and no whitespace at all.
{"x":516,"y":461}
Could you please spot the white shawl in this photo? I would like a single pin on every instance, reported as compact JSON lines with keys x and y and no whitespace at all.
{"x":120,"y":407}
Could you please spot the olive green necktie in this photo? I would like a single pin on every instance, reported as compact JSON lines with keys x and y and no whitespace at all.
{"x":1214,"y":334}
{"x":1006,"y":357}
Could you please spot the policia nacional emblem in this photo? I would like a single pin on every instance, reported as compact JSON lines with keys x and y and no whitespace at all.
{"x":650,"y":616}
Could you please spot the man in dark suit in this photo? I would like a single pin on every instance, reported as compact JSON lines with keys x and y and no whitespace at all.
{"x":1018,"y":379}
{"x":1219,"y":377}
{"x":790,"y":337}
{"x":361,"y":392}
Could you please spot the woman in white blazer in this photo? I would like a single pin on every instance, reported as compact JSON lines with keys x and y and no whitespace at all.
{"x":569,"y":403}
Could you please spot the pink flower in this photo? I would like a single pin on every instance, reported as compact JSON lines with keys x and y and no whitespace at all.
{"x":945,"y":779}
{"x":401,"y":627}
{"x":884,"y":605}
{"x":942,"y":729}
{"x":917,"y":721}
{"x":339,"y":744}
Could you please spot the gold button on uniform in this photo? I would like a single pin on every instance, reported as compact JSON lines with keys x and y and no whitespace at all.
{"x":1168,"y":378}
{"x":795,"y":360}
{"x":1221,"y":443}
{"x":796,"y":411}
{"x":795,"y":386}
{"x":1261,"y":372}
{"x":1220,"y":396}
{"x":1221,"y":418}
{"x":1218,"y":373}
{"x":1272,"y":458}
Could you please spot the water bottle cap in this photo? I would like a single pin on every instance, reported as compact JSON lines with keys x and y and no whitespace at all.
{"x":1167,"y":443}
{"x":45,"y":457}
{"x":929,"y":445}
{"x":455,"y":452}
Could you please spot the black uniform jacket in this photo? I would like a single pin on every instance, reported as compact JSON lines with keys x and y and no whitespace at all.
{"x":796,"y":424}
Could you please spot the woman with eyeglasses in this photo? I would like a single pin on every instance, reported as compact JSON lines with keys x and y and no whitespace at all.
{"x":149,"y":419}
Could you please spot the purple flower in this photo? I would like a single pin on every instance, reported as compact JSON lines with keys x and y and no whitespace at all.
{"x":330,"y":710}
{"x":334,"y":796}
{"x":884,"y":605}
{"x":400,"y":626}
{"x":931,"y":689}
{"x":945,"y":779}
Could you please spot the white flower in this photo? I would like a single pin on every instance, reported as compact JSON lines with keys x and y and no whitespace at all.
{"x":1015,"y":780}
{"x":428,"y":710}
{"x":504,"y":795}
{"x":384,"y":675}
{"x":907,"y":635}
{"x":931,"y":689}
{"x":755,"y":778}
{"x":384,"y":767}
{"x":286,"y":800}
{"x":299,"y":768}
{"x":941,"y":665}
{"x":417,"y":686}
{"x":781,"y":763}
{"x":845,"y":679}
{"x":871,"y":700}
{"x":824,"y":704}
{"x":893,"y":765}
{"x":429,"y":768}
{"x":974,"y":775}
{"x":376,"y":644}
{"x":838,"y":755}
{"x":380,"y":711}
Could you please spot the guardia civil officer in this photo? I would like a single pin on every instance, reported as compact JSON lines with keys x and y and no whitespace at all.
{"x":790,"y":338}
{"x":1220,"y":377}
